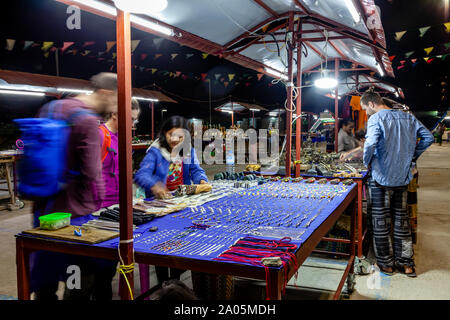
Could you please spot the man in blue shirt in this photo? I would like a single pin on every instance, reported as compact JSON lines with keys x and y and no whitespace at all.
{"x":389,"y":151}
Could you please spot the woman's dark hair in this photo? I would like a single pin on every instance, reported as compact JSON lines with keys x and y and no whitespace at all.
{"x":169,"y":124}
{"x":346,"y":121}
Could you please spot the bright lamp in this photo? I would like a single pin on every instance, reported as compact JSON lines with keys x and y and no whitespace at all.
{"x":325,"y":82}
{"x":141,"y":6}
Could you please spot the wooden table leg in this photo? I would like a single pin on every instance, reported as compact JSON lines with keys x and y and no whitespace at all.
{"x":274,"y":285}
{"x":23,"y":271}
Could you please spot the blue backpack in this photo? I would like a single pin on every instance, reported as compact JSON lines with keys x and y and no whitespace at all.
{"x":42,"y":168}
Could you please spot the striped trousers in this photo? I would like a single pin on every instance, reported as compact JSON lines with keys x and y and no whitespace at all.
{"x":389,"y":207}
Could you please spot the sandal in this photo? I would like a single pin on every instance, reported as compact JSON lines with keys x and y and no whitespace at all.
{"x":387,"y":272}
{"x":409,"y":274}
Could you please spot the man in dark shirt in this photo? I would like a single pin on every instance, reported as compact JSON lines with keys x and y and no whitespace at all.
{"x":85,"y":188}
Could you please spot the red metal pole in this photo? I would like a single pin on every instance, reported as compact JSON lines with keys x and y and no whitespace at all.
{"x":290,"y":49}
{"x":298,"y":124}
{"x":153,"y":121}
{"x":336,"y":106}
{"x":125,"y":147}
{"x":254,"y":119}
{"x":232,"y":114}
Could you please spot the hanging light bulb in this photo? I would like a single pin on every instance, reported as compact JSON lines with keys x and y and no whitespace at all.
{"x":325,"y":82}
{"x":141,"y":6}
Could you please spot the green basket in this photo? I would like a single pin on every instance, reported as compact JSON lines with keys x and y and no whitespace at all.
{"x":55,"y":221}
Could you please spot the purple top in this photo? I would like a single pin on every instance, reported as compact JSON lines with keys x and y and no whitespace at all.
{"x":84,"y":193}
{"x":110,"y":170}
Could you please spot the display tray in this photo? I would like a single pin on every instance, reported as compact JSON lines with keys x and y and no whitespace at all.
{"x":89,"y":236}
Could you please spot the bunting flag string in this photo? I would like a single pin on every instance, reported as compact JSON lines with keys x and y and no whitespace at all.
{"x":260,"y":75}
{"x":205,"y":55}
{"x":134,"y":44}
{"x":422,"y":30}
{"x":173,"y":55}
{"x":10,"y":44}
{"x":399,"y":35}
{"x":109,"y":45}
{"x":428,"y":50}
{"x":27,"y":45}
{"x":66,"y":45}
{"x":46,"y":45}
{"x":231,"y":76}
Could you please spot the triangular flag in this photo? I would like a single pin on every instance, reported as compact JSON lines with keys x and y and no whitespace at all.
{"x":46,"y":54}
{"x":400,"y":67}
{"x":260,"y":75}
{"x":264,"y":28}
{"x":52,"y":49}
{"x":391,"y":58}
{"x":188,"y":55}
{"x":372,"y":74}
{"x":88,"y":43}
{"x":447,"y":45}
{"x":230,"y":76}
{"x":403,"y":62}
{"x":27,"y":44}
{"x":35,"y":44}
{"x":100,"y":53}
{"x":247,"y":84}
{"x":204,"y":75}
{"x":157,"y":42}
{"x":174,"y":55}
{"x":447,"y":27}
{"x":423,"y":31}
{"x":134,"y":44}
{"x":143,"y":56}
{"x":236,"y":83}
{"x":205,"y":55}
{"x":426,"y":59}
{"x":399,"y":35}
{"x":445,"y":56}
{"x":430,"y":60}
{"x":142,"y":69}
{"x":114,"y":55}
{"x":409,"y":54}
{"x":86,"y":52}
{"x":428,"y":50}
{"x":226,"y":84}
{"x":74,"y":51}
{"x":413,"y":60}
{"x":158,"y":55}
{"x":46,"y":45}
{"x":109,"y":45}
{"x":66,"y":45}
{"x":178,"y":73}
{"x":217,"y":75}
{"x":10,"y":44}
{"x":154,"y":70}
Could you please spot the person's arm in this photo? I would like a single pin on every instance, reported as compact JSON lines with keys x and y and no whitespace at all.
{"x":341,"y":143}
{"x":372,"y":137}
{"x":88,"y":150}
{"x":426,"y":139}
{"x":145,"y":177}
{"x":197,"y":173}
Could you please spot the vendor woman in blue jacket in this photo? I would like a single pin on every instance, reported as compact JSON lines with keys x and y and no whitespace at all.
{"x":162,"y":170}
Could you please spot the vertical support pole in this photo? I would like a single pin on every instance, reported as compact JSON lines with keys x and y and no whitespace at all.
{"x":298,"y":124}
{"x":290,"y":50}
{"x":23,"y":271}
{"x":209,"y":83}
{"x":125,"y":160}
{"x":336,"y":106}
{"x":254,"y":119}
{"x":153,"y":121}
{"x":57,"y":62}
{"x":232,"y":113}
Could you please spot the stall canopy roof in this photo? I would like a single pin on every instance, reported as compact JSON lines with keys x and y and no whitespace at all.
{"x":243,"y":31}
{"x":353,"y":85}
{"x":49,"y":84}
{"x":239,"y":107}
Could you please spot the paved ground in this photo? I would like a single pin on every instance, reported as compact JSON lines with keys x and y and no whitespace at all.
{"x":431,"y":252}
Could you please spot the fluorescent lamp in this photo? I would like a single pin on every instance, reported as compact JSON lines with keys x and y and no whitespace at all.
{"x":134,"y":19}
{"x":74,"y":90}
{"x":351,"y":7}
{"x":140,"y":6}
{"x":256,"y":110}
{"x":98,"y":6}
{"x":164,"y":110}
{"x":325,"y":83}
{"x":447,"y":118}
{"x":227,"y":111}
{"x":146,"y":99}
{"x":380,"y":70}
{"x":276,"y":74}
{"x":151,"y":25}
{"x":24,"y":93}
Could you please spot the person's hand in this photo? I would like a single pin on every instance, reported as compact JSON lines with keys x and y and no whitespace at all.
{"x":343,"y":156}
{"x":160,"y":191}
{"x":203,"y":182}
